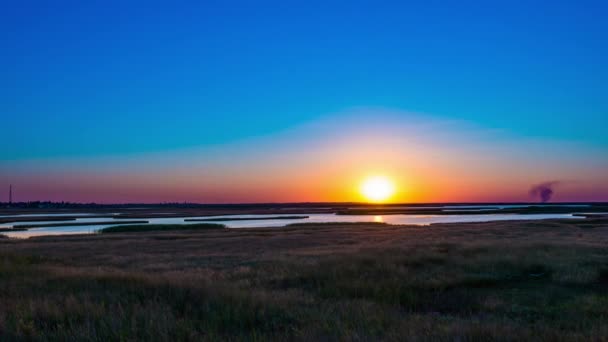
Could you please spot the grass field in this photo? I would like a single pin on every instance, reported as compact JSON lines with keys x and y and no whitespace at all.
{"x":511,"y":281}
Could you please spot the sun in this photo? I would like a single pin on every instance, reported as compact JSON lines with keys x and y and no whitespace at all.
{"x":377,"y":188}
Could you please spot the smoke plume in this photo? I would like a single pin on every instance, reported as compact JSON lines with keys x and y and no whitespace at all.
{"x":543,"y":191}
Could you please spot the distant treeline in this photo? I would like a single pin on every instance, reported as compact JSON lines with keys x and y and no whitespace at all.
{"x":75,"y":205}
{"x":329,"y":205}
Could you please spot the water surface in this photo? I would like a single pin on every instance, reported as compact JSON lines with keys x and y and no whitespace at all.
{"x":313,"y":218}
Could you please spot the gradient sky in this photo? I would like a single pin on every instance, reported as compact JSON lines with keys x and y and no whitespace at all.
{"x":249,"y":101}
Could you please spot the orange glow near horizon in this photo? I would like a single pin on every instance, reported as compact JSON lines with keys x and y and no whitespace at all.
{"x":416,"y":161}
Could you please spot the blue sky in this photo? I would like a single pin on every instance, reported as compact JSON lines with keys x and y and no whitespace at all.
{"x":84,"y":78}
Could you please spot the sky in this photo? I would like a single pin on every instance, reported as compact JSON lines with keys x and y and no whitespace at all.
{"x":293,"y":101}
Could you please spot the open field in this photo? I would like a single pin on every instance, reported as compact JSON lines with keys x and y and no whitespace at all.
{"x":541,"y":280}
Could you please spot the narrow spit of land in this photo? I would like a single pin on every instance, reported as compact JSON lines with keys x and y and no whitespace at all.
{"x":524,"y":280}
{"x":159,"y":227}
{"x":74,"y":224}
{"x":248,"y":218}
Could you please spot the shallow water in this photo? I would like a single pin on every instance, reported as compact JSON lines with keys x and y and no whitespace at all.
{"x":313,"y":218}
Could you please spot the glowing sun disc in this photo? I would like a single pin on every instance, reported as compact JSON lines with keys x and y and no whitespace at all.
{"x":377,"y":189}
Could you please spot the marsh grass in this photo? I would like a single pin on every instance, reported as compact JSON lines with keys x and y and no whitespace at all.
{"x":62,"y":303}
{"x":160,"y":227}
{"x":509,"y":281}
{"x":13,"y":229}
{"x":248,"y":218}
{"x":63,"y":224}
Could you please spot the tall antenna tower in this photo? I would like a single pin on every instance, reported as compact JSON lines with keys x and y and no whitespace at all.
{"x":10,"y":194}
